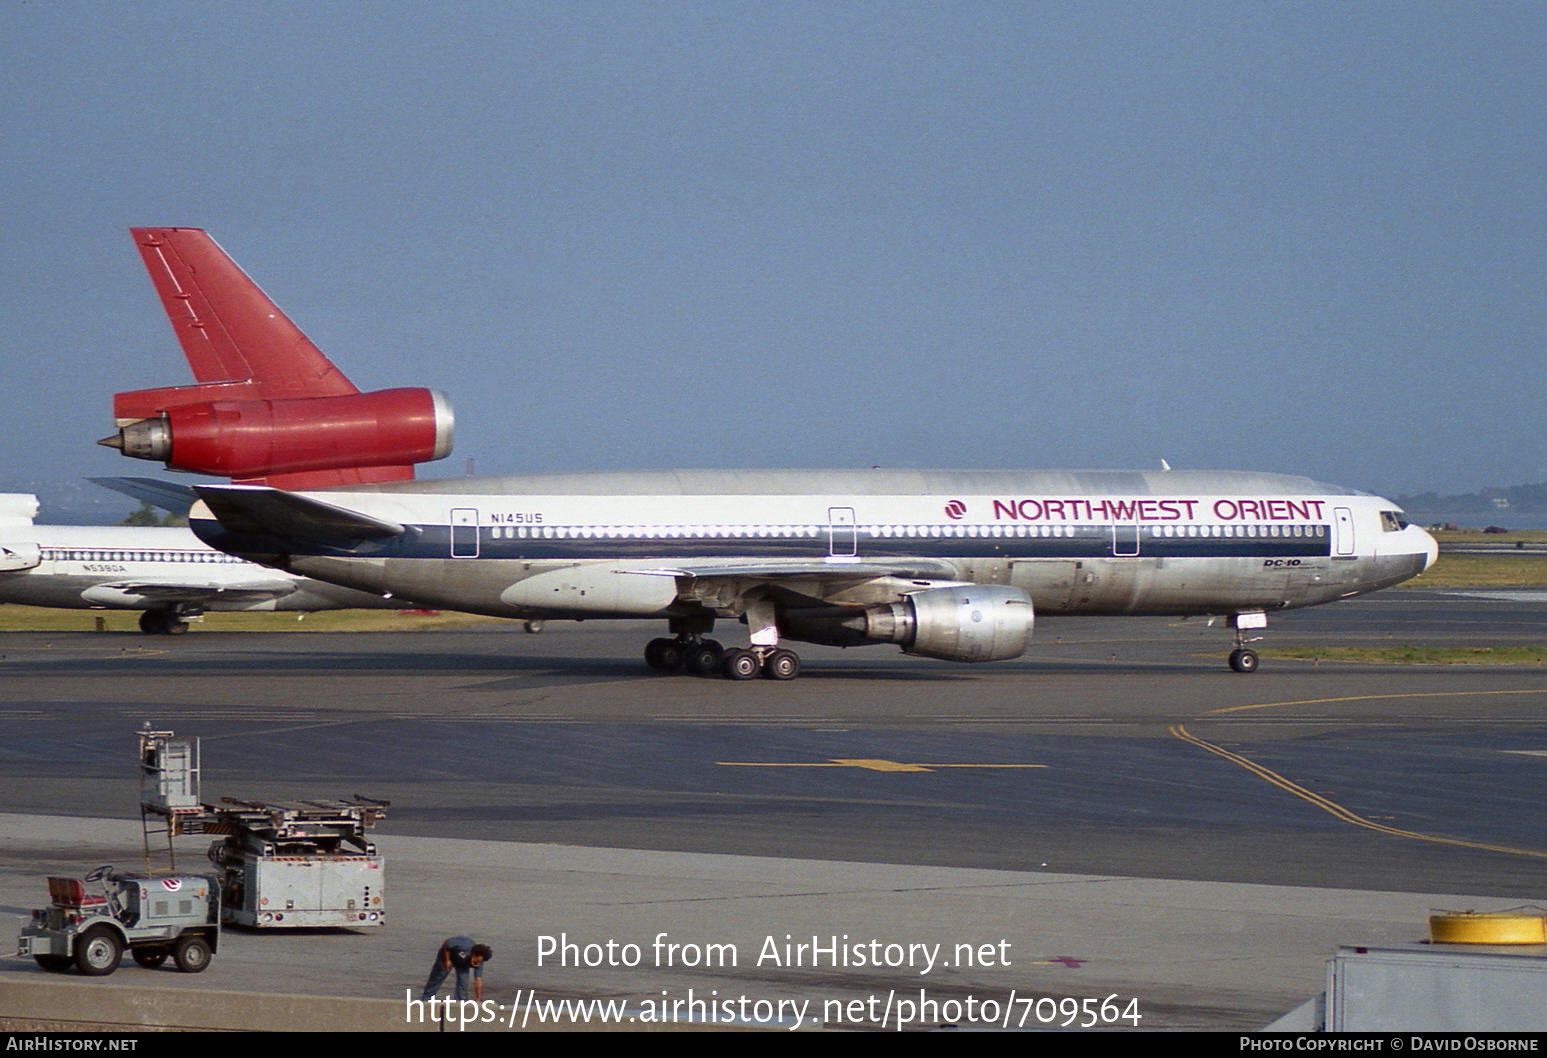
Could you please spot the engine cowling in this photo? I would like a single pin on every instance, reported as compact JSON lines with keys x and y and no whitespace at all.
{"x":242,"y":439}
{"x":16,"y":557}
{"x":966,"y":622}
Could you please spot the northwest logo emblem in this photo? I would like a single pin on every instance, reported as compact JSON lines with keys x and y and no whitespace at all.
{"x":956,"y":509}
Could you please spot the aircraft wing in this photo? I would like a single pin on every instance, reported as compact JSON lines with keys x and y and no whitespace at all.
{"x":207,"y":593}
{"x":263,"y":511}
{"x":803,"y":582}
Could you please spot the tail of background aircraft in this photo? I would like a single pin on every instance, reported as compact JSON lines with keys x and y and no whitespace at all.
{"x":268,"y":408}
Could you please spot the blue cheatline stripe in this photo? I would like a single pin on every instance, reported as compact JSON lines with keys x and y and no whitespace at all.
{"x":581,"y":543}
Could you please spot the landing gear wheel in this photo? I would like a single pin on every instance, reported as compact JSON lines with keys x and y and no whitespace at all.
{"x":53,"y":963}
{"x":150,"y":958}
{"x":191,"y":954}
{"x":705,"y":658}
{"x":742,"y":665}
{"x":782,"y":665}
{"x":97,"y":952}
{"x":1243,"y":660}
{"x":533,"y":627}
{"x":162,"y":623}
{"x":663,"y":655}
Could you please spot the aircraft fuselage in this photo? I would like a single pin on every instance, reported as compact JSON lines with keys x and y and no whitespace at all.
{"x":147,"y":568}
{"x":677,"y":543}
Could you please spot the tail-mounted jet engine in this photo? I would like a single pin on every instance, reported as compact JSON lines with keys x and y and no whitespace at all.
{"x":244,"y":439}
{"x":16,"y":557}
{"x":958,"y":623}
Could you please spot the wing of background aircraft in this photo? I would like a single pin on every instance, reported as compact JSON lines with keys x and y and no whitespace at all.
{"x":150,"y":594}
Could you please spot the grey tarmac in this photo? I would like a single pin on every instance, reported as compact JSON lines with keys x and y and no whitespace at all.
{"x":1122,"y":812}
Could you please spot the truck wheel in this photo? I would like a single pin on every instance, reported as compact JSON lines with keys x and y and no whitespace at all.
{"x":150,"y":958}
{"x":97,"y":952}
{"x":192,"y":954}
{"x":55,"y":963}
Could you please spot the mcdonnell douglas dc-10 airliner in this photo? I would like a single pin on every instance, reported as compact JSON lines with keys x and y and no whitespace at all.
{"x":945,"y":564}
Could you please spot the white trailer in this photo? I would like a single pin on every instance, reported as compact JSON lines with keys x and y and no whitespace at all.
{"x":283,"y":865}
{"x":299,"y":864}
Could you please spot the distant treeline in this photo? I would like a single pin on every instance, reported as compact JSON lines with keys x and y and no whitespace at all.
{"x":1520,"y":497}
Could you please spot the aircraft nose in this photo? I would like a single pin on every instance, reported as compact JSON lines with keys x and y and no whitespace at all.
{"x":1431,"y":549}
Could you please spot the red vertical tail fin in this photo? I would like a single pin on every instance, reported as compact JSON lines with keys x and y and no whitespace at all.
{"x":268,"y":406}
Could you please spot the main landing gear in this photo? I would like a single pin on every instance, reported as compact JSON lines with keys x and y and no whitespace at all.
{"x":689,"y":650}
{"x":705,"y":657}
{"x":775,"y":664}
{"x":699,"y":656}
{"x":162,"y":623}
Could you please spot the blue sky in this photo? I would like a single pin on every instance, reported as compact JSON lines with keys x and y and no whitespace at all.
{"x":1302,"y":237}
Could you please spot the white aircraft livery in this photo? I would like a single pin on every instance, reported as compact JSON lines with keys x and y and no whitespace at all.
{"x":945,"y":564}
{"x":948,"y":565}
{"x":167,"y":573}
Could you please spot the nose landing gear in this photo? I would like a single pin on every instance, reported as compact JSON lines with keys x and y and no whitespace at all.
{"x":1243,"y":658}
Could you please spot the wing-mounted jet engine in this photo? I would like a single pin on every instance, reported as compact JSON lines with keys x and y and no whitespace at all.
{"x":969,"y":622}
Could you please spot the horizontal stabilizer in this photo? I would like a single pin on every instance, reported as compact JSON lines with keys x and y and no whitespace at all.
{"x":248,"y":509}
{"x":167,"y":495}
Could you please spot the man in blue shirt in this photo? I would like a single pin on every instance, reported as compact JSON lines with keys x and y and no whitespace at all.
{"x":463,"y":956}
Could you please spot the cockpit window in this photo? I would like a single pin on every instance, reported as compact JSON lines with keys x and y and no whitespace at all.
{"x":1392,"y":521}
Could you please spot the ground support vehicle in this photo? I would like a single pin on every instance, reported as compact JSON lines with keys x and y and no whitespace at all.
{"x":283,"y":865}
{"x":299,"y":864}
{"x":176,"y":916}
